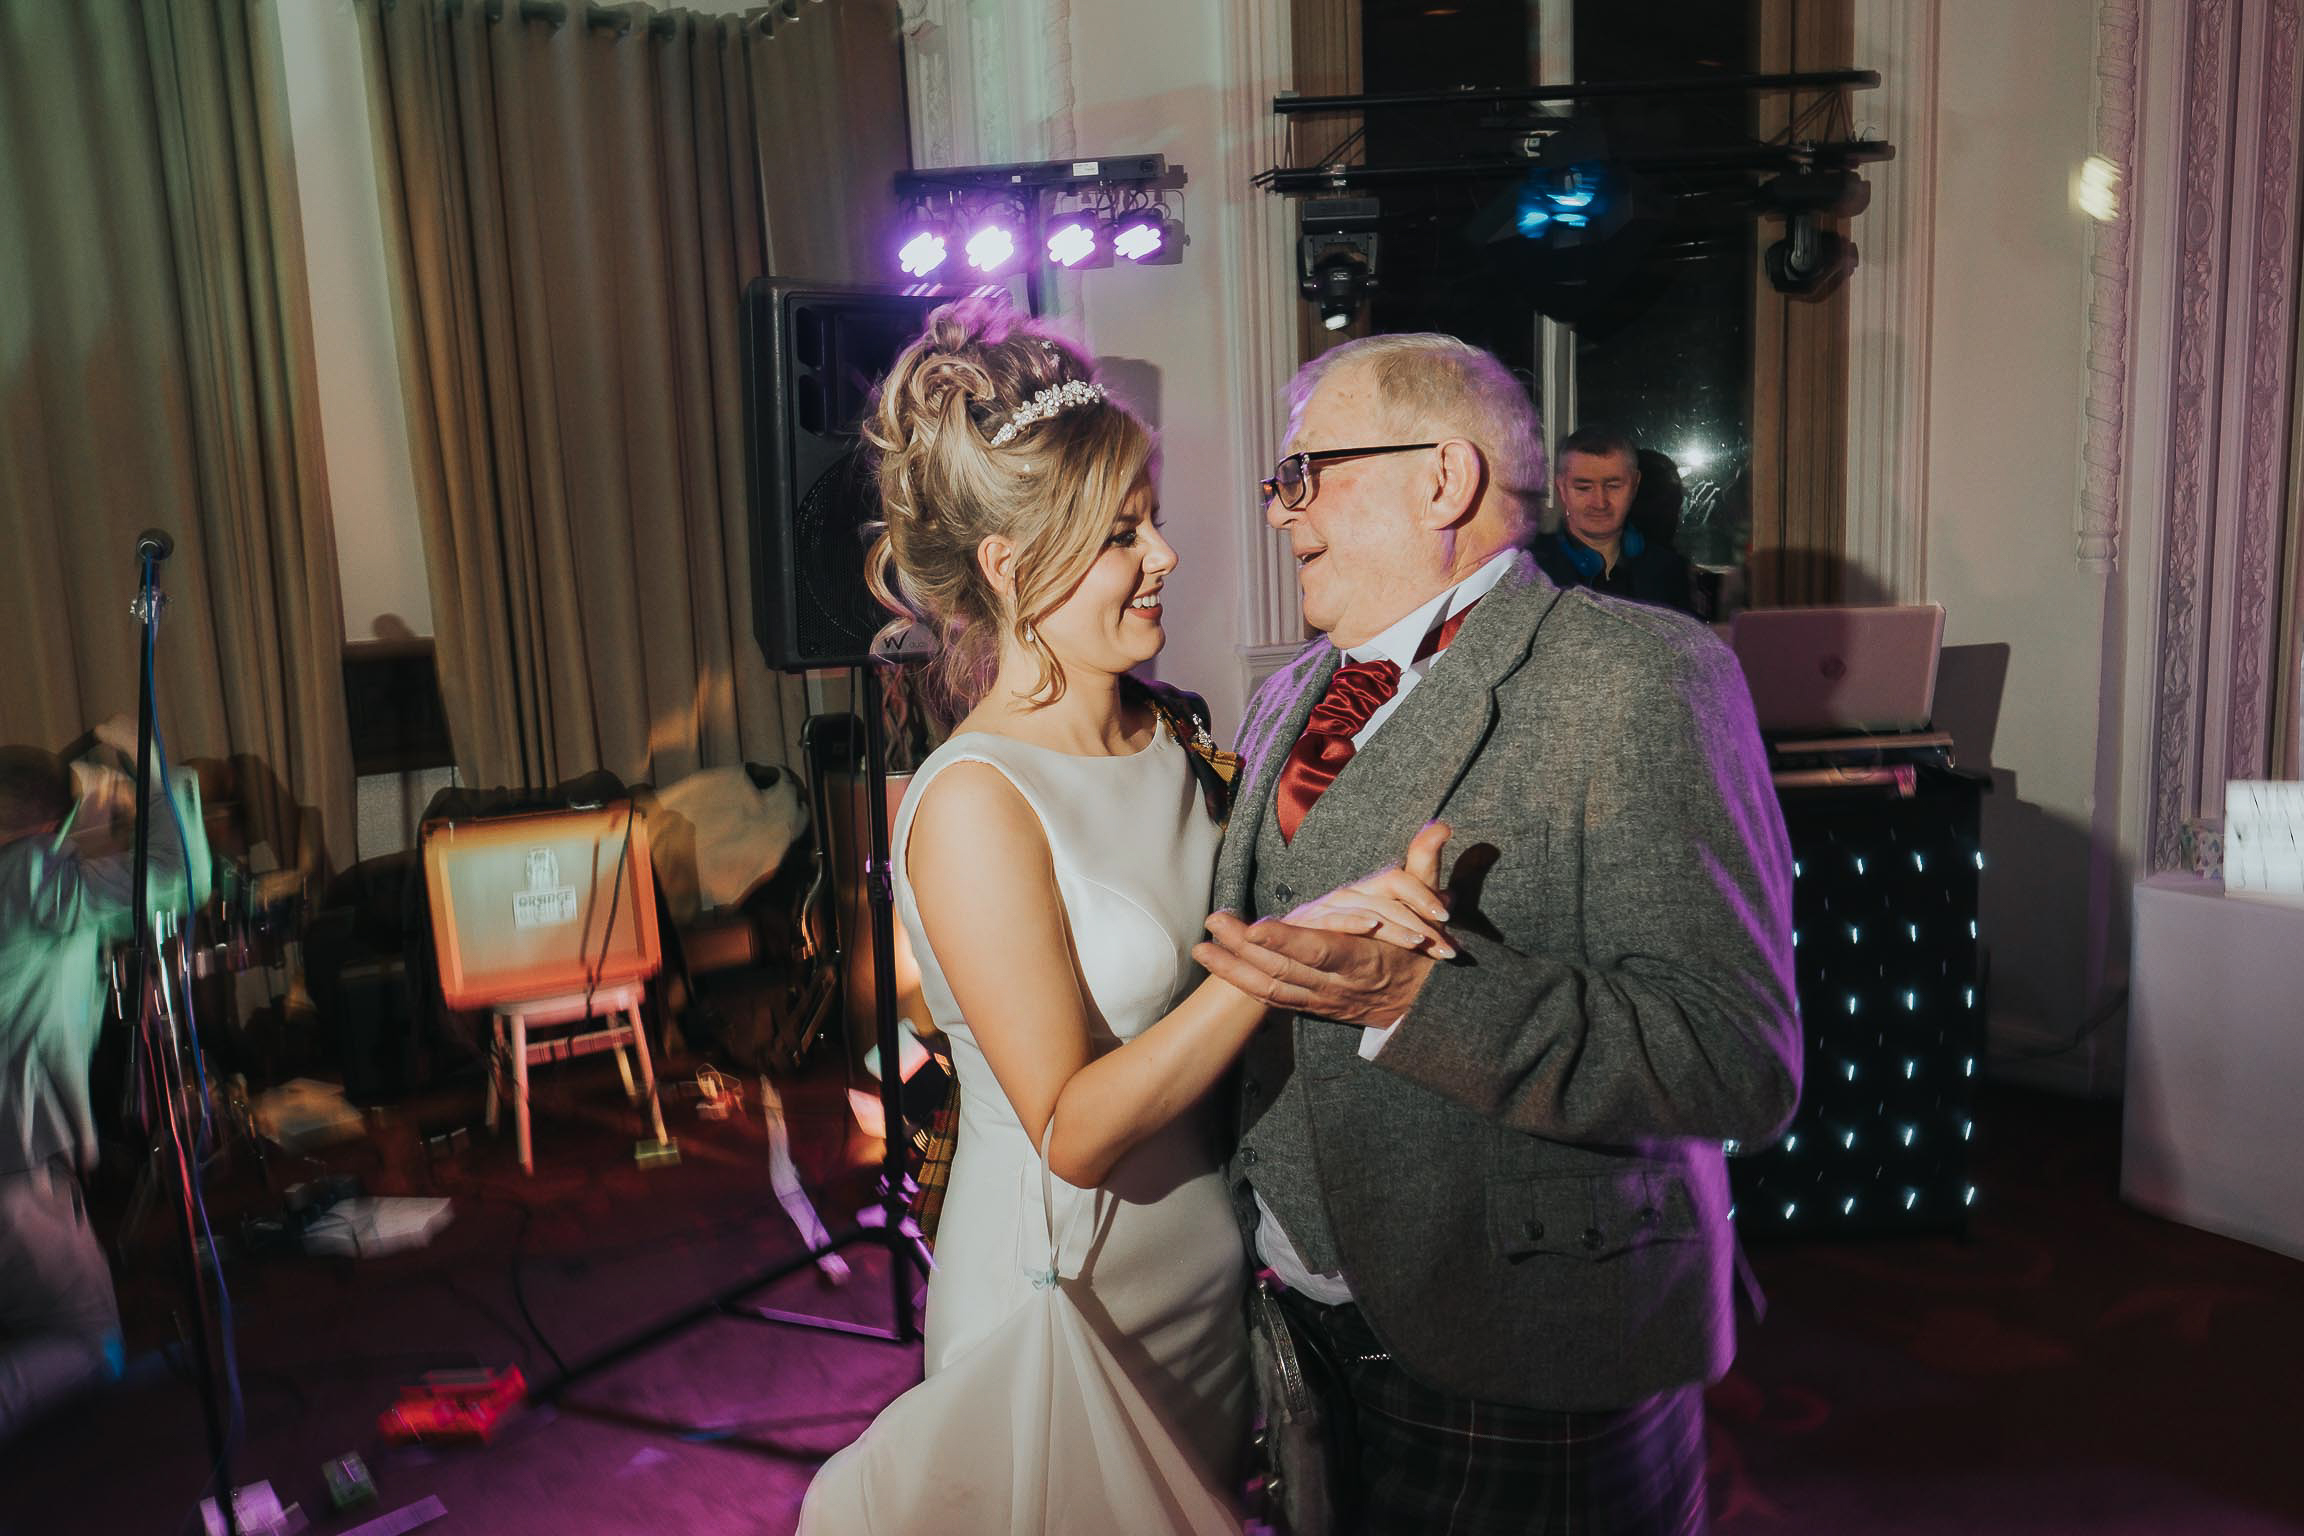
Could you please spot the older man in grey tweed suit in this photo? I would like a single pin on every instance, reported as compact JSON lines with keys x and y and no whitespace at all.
{"x":1489,"y":1174}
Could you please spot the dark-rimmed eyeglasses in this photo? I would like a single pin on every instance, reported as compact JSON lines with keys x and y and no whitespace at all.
{"x":1292,"y":484}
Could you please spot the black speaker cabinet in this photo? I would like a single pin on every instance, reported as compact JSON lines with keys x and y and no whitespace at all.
{"x":813,"y":354}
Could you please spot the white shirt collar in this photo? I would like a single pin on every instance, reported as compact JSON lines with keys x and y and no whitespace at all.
{"x":1400,"y":643}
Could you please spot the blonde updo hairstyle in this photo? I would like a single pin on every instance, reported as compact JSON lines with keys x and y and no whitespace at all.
{"x":1053,"y":490}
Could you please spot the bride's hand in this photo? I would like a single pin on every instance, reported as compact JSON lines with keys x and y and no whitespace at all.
{"x":1400,"y":904}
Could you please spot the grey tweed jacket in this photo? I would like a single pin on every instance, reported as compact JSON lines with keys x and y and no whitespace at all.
{"x":1526,"y":1187}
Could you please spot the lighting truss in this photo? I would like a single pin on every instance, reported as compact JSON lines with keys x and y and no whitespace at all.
{"x":1570,"y":199}
{"x":1070,"y":215}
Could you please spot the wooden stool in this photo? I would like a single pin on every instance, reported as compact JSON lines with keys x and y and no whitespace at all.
{"x":516,"y":1023}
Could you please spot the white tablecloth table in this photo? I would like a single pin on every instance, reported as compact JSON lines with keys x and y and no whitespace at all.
{"x":2214,"y":1122}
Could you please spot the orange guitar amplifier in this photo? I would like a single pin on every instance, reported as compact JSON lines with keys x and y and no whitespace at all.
{"x":531,"y":906}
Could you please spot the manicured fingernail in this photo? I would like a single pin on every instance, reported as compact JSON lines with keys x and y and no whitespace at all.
{"x":1443,"y":951}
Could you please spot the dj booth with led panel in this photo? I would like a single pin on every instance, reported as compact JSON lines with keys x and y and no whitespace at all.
{"x":1885,"y":944}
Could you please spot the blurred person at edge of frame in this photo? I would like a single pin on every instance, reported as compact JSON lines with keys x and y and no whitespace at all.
{"x":65,"y":894}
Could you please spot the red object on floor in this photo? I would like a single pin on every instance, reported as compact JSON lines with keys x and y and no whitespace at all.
{"x":454,"y":1407}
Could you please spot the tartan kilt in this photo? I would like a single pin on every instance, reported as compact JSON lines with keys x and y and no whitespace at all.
{"x":936,"y":1143}
{"x":1431,"y":1464}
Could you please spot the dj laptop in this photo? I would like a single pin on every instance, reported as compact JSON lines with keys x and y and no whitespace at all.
{"x":1840,"y":671}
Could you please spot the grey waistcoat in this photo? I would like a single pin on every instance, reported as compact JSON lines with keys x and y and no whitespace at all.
{"x":1276,"y":1152}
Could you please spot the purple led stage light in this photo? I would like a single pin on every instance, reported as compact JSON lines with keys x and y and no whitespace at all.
{"x":1139,"y":239}
{"x":922,"y":254}
{"x":991,"y":248}
{"x":1071,"y":243}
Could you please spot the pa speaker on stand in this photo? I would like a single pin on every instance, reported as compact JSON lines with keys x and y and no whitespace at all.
{"x":813,"y":354}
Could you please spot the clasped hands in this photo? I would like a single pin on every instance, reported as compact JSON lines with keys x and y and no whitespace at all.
{"x":1357,"y":955}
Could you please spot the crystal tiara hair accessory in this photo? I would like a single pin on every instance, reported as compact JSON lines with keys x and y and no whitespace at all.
{"x":1054,"y":400}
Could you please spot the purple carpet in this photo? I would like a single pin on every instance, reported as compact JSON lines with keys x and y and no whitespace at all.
{"x":2074,"y":1366}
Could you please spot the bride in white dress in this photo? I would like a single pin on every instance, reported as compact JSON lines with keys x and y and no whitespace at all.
{"x":1053,"y":863}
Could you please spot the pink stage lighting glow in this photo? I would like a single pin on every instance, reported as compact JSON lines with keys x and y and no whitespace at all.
{"x":990,"y":247}
{"x":922,"y":254}
{"x":1138,"y":240}
{"x":1072,"y":244}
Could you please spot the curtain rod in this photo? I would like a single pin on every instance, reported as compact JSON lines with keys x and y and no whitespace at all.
{"x":766,"y":18}
{"x":600,"y":18}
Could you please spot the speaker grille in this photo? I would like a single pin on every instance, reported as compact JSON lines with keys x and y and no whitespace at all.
{"x":837,"y":615}
{"x":813,"y":354}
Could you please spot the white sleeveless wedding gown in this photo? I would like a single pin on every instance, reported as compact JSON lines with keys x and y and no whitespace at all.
{"x":1122,"y":1406}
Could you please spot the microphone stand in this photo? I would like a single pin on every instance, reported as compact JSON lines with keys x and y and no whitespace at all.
{"x":152,"y":548}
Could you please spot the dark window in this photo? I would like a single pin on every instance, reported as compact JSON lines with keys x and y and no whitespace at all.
{"x":1662,"y":315}
{"x":1675,"y":374}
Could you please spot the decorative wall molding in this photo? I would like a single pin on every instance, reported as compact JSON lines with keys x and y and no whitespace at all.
{"x":1260,"y":301}
{"x":1556,"y":412}
{"x":2260,"y":377}
{"x":2110,"y":317}
{"x":2287,"y":744}
{"x":2235,"y":228}
{"x":1891,"y":299}
{"x":1061,"y":138}
{"x":2202,"y":184}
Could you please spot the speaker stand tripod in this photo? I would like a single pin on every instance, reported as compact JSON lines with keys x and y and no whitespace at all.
{"x":894,"y":1230}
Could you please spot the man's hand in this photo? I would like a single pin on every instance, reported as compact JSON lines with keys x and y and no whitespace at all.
{"x":1341,"y":976}
{"x":1400,"y":904}
{"x":1358,"y":955}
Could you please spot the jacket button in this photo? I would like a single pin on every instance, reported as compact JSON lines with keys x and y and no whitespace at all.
{"x":1285,"y":891}
{"x":1251,"y":1087}
{"x":1535,"y":1231}
{"x":1591,"y":1239}
{"x":1247,"y":1157}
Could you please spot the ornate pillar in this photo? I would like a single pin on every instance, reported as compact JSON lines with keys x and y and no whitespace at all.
{"x":2119,"y":61}
{"x":1262,"y":314}
{"x":2225,"y":399}
{"x":1890,"y":302}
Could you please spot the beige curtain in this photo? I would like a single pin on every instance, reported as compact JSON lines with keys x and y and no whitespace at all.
{"x":156,"y":370}
{"x":576,"y":197}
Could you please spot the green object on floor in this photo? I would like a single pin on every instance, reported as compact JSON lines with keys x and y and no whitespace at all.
{"x":656,"y":1154}
{"x":348,"y":1480}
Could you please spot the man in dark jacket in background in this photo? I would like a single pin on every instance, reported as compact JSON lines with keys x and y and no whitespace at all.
{"x":1594,"y":487}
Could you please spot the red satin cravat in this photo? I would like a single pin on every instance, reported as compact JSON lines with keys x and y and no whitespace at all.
{"x":1355,"y":693}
